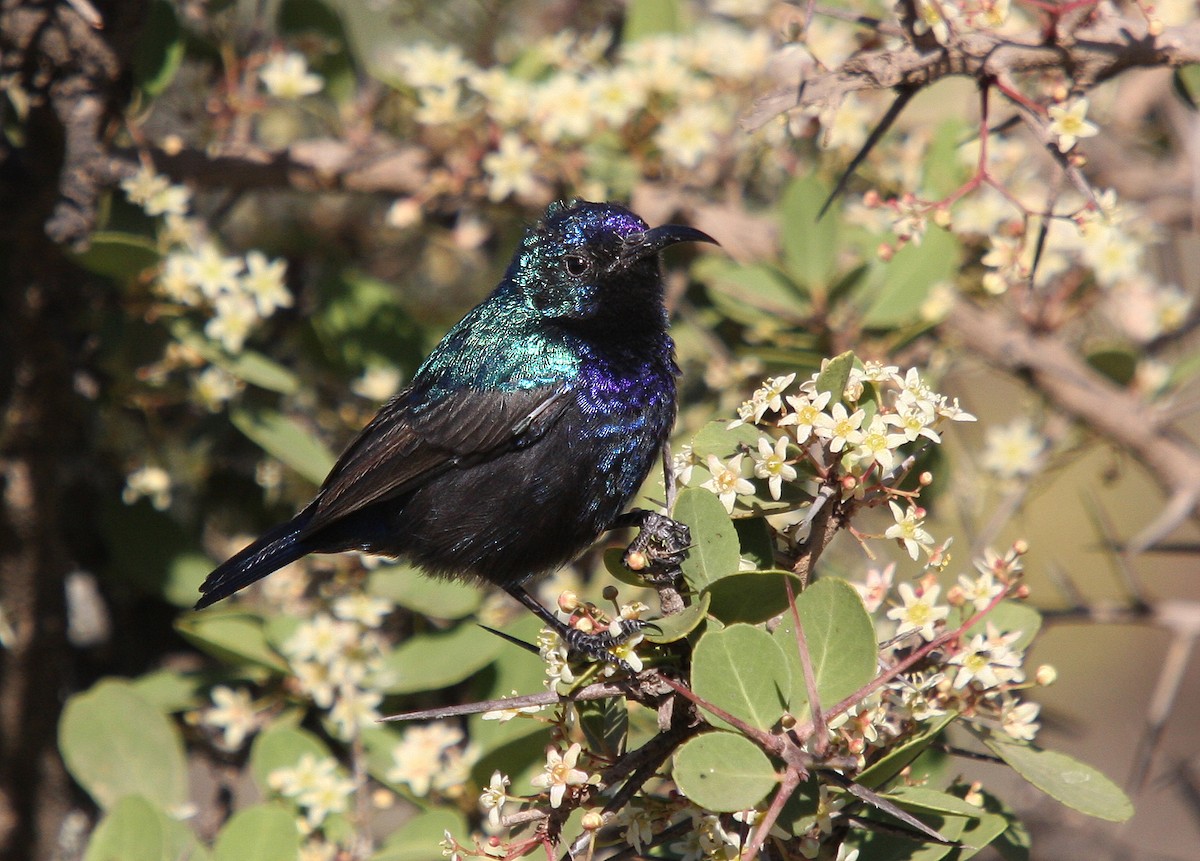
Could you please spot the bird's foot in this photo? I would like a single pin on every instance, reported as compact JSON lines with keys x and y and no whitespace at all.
{"x":658,"y":550}
{"x":600,"y":644}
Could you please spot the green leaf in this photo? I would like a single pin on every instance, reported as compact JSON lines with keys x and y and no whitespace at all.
{"x":841,"y":643}
{"x":835,"y":375}
{"x":882,"y":846}
{"x":719,"y":439}
{"x":115,"y":744}
{"x":427,"y":662}
{"x":418,"y":838}
{"x":810,"y":244}
{"x":1116,"y":364}
{"x":430,"y":596}
{"x":714,"y":552}
{"x":605,"y":725}
{"x":944,"y":170}
{"x":185,"y":573}
{"x":891,"y":763}
{"x":170,"y":691}
{"x":755,"y":542}
{"x":123,"y":257}
{"x":752,"y":294}
{"x":1186,"y":81}
{"x":286,"y":439}
{"x":919,"y":799}
{"x":650,"y":18}
{"x":233,"y":637}
{"x":752,"y":596}
{"x":903,"y":284}
{"x":1064,"y":779}
{"x":1009,"y":616}
{"x":264,"y":832}
{"x":678,"y":626}
{"x":741,"y":670}
{"x":996,"y":821}
{"x":247,"y":365}
{"x":282,"y":747}
{"x":135,"y":829}
{"x":723,"y":772}
{"x":159,"y":48}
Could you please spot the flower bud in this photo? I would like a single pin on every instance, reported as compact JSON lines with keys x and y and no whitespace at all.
{"x":1046,"y":675}
{"x":593,"y":820}
{"x":568,"y":601}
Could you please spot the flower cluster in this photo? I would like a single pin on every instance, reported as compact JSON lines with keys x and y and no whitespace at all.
{"x":431,"y":758}
{"x":337,"y":661}
{"x":667,"y":99}
{"x":234,"y":293}
{"x":315,"y":784}
{"x":870,"y":434}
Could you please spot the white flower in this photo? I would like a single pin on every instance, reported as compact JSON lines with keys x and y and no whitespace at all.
{"x":561,"y":773}
{"x":909,"y":529}
{"x":354,"y":709}
{"x":214,"y":273}
{"x":286,"y":76}
{"x":840,"y":427}
{"x":1013,"y":450}
{"x":688,"y":137}
{"x":1019,"y":719}
{"x":979,"y":590}
{"x":1069,"y":122}
{"x":877,"y":445}
{"x":806,"y":410}
{"x":214,"y":386}
{"x":151,"y":482}
{"x":425,"y":67}
{"x":988,"y":660}
{"x":510,"y":168}
{"x":155,"y":194}
{"x":233,"y":714}
{"x":418,"y":758}
{"x":772,"y":464}
{"x":493,"y":798}
{"x":322,"y":639}
{"x":263,"y":282}
{"x":879,"y":582}
{"x":920,"y":612}
{"x":727,"y":481}
{"x":360,"y":607}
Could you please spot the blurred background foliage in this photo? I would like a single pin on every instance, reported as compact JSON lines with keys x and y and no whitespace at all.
{"x":306,"y":193}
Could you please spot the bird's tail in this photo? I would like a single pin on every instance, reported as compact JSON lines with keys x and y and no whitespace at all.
{"x":283,"y":544}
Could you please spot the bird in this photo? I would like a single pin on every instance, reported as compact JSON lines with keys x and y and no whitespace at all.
{"x":523,"y":435}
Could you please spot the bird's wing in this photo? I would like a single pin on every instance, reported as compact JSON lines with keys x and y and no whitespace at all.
{"x":402,"y":447}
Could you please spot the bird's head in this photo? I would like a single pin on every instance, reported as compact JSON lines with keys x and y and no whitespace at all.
{"x":585,"y":261}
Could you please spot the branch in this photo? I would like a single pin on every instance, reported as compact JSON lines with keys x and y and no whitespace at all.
{"x":1108,"y":45}
{"x":1116,"y":414}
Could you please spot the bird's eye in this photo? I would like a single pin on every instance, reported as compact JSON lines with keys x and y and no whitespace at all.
{"x":576,"y":264}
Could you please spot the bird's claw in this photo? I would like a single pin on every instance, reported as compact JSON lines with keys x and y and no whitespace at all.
{"x":658,"y":550}
{"x":599,"y":644}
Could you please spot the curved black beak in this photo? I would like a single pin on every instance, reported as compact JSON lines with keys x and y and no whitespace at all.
{"x":640,"y":245}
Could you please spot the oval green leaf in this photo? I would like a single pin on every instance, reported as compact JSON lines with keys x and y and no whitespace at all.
{"x":740,"y":669}
{"x":714,"y":552}
{"x":810,"y":243}
{"x":672,"y":628}
{"x":428,"y":662}
{"x":282,"y":747}
{"x":841,"y":643}
{"x":286,"y":439}
{"x":752,"y":596}
{"x":891,"y":763}
{"x":1064,"y":779}
{"x":723,"y":772}
{"x":231,"y":637}
{"x":264,"y":832}
{"x":136,"y":830}
{"x":115,"y":744}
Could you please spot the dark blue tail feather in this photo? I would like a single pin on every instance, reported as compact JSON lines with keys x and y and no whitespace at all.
{"x":272,"y":551}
